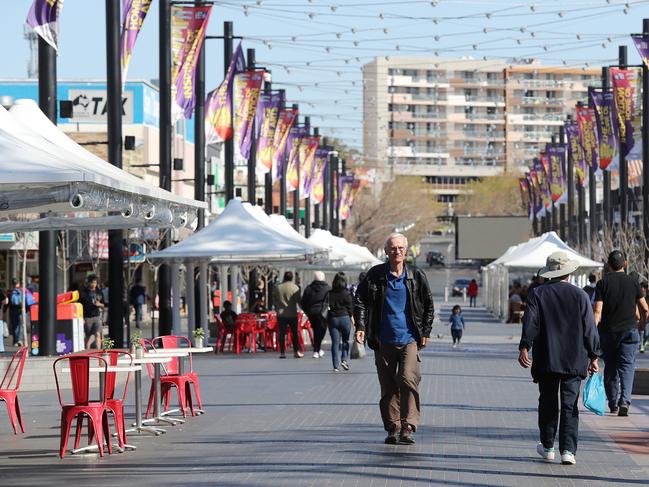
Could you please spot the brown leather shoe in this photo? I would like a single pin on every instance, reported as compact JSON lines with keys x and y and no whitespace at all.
{"x":298,"y":354}
{"x":406,"y":435}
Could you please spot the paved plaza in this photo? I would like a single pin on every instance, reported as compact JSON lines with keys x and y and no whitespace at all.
{"x":273,"y":422}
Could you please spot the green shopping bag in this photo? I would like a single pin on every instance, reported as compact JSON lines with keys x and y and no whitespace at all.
{"x":595,"y":395}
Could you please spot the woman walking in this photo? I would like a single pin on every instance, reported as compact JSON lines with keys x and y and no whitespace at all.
{"x":472,"y":292}
{"x":340,"y":321}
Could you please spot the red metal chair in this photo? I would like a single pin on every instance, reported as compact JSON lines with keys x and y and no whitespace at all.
{"x":246,"y":332}
{"x":172,"y":368}
{"x":96,"y":411}
{"x":114,"y":404}
{"x":272,"y":332}
{"x":167,"y":380}
{"x":9,"y":387}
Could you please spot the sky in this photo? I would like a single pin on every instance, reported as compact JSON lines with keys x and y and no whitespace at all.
{"x":316,"y":48}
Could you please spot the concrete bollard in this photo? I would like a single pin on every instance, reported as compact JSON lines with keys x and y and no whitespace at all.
{"x":446,"y":294}
{"x":464,"y":295}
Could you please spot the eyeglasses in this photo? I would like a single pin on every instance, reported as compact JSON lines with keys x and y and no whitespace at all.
{"x":399,"y":250}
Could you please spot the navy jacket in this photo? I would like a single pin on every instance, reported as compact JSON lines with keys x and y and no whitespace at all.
{"x":559,"y":328}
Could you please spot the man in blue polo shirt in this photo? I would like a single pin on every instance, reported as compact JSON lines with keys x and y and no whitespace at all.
{"x":394,"y":307}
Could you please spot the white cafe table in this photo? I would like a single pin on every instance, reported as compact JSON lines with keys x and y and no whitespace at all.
{"x":168,"y":355}
{"x":181,"y":353}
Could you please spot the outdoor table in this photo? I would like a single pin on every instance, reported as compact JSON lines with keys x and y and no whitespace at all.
{"x":126,"y":367}
{"x":181,"y":353}
{"x":138,"y":426}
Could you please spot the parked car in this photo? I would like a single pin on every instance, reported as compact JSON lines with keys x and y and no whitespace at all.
{"x":434,"y":258}
{"x":459,"y":286}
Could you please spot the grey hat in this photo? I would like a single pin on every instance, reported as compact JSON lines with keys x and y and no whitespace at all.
{"x":558,"y":264}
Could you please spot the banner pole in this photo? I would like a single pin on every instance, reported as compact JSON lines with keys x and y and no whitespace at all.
{"x":116,"y":295}
{"x":645,"y":146}
{"x":228,"y":145}
{"x":624,"y":176}
{"x":164,"y":273}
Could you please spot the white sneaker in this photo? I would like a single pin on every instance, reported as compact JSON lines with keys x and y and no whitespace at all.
{"x":316,"y":355}
{"x":321,"y":353}
{"x":568,"y":458}
{"x":546,"y":453}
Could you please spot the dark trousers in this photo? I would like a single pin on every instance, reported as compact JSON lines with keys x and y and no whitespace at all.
{"x":472,"y":300}
{"x":555,"y":388}
{"x":339,"y":328}
{"x":399,"y":376}
{"x":619,"y":351}
{"x":319,"y":327}
{"x":283,"y":324}
{"x":457,"y":335}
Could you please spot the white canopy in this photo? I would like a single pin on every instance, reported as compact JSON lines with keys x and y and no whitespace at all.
{"x":110,"y":222}
{"x":527,"y":257}
{"x":61,"y":175}
{"x":342,"y":254}
{"x":533,"y":254}
{"x":237,"y":236}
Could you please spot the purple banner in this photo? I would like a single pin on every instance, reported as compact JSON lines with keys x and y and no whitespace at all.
{"x":218,"y":103}
{"x":557,"y":158}
{"x":628,"y":109}
{"x":317,"y":183}
{"x":43,"y":17}
{"x":576,"y":151}
{"x":603,"y":103}
{"x":188,"y":26}
{"x":307,"y":164}
{"x":345,"y":190}
{"x":247,"y":87}
{"x":588,"y":132}
{"x":266,"y":123}
{"x":133,"y":15}
{"x":642,"y":45}
{"x":280,"y":140}
{"x":295,"y":137}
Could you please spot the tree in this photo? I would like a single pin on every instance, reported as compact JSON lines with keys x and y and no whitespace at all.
{"x":493,"y":196}
{"x":405,"y":204}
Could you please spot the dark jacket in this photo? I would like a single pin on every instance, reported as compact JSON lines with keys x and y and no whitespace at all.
{"x":559,"y":328}
{"x":340,"y":303}
{"x":368,"y":303}
{"x":313,"y":297}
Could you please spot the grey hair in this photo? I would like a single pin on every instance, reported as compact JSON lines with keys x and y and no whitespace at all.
{"x":393,"y":236}
{"x":318,"y":276}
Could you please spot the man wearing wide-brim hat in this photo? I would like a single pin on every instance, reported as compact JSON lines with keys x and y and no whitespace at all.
{"x":560,"y":330}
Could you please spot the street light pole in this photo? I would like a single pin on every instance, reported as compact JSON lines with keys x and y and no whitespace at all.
{"x":228,"y":145}
{"x":562,"y":206}
{"x":252,"y":159}
{"x":164,"y":272}
{"x":645,"y":145}
{"x":624,"y":176}
{"x":116,"y":295}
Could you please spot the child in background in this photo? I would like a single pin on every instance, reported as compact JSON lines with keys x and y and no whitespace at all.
{"x":457,"y":325}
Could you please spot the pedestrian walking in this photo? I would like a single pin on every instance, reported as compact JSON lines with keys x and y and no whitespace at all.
{"x":643,"y":329}
{"x":590,"y":287}
{"x":393,"y":306}
{"x":313,"y":299}
{"x":559,"y":329}
{"x":472,"y":292}
{"x":4,"y":329}
{"x":91,"y":301}
{"x":286,"y":297}
{"x":16,"y":309}
{"x":456,"y":321}
{"x":616,"y":298}
{"x":341,"y":309}
{"x":137,"y":298}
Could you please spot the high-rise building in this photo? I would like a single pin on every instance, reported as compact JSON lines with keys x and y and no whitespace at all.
{"x":457,"y":120}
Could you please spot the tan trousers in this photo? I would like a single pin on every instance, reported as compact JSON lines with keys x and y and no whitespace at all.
{"x":399,"y":376}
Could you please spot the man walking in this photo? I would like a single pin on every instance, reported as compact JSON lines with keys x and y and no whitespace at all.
{"x":560,"y":330}
{"x":91,"y":300}
{"x":393,"y":307}
{"x":616,"y":298}
{"x":312,"y":302}
{"x":286,"y":297}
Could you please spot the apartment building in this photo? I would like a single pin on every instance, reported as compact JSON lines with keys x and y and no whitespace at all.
{"x":457,"y":120}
